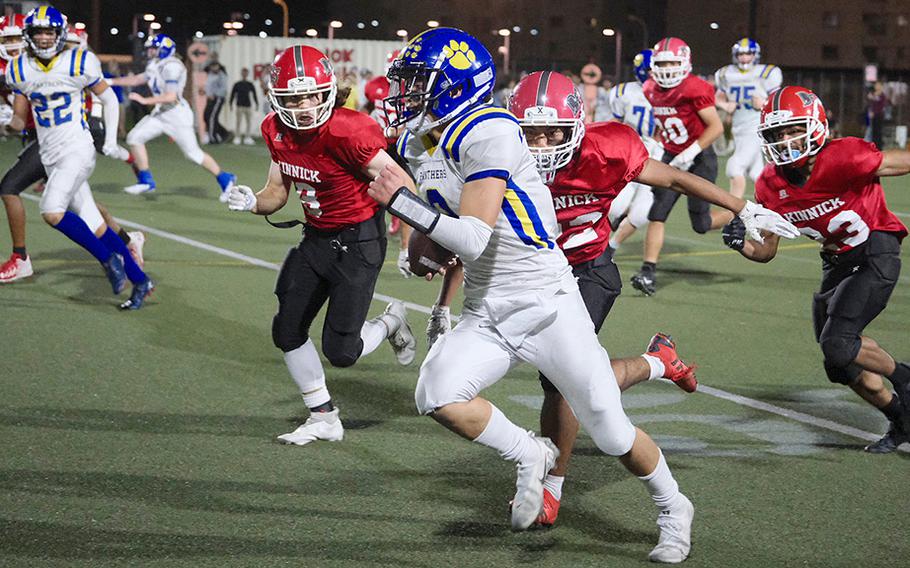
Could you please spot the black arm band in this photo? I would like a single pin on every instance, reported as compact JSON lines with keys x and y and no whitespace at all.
{"x":413,"y":210}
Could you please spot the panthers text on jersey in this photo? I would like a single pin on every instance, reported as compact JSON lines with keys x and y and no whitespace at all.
{"x":166,"y":75}
{"x":676,"y":110}
{"x":628,"y":104}
{"x":841,"y":203}
{"x":325,"y":165}
{"x":611,"y":155}
{"x":488,"y":142}
{"x":740,"y":86}
{"x":56,"y":92}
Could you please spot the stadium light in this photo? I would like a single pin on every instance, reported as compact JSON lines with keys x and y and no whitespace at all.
{"x":268,"y":22}
{"x":114,"y":31}
{"x":79,"y":26}
{"x":402,"y":33}
{"x":432,"y":24}
{"x":374,"y":23}
{"x":361,"y":25}
{"x":312,"y":32}
{"x":335,"y":24}
{"x":149,"y":17}
{"x":714,"y":26}
{"x":227,"y":25}
{"x":505,"y":32}
{"x":263,"y":35}
{"x":534,"y":31}
{"x":237,"y":25}
{"x":153,"y":25}
{"x":198,"y":34}
{"x":516,"y":29}
{"x":609,"y":32}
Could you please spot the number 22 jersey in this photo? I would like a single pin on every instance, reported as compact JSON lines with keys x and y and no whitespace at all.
{"x":841,"y":203}
{"x":57,"y":95}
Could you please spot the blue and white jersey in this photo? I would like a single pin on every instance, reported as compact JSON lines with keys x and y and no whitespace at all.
{"x":56,"y":92}
{"x":486,"y":142}
{"x":629,"y":105}
{"x":740,"y":86}
{"x":166,"y":75}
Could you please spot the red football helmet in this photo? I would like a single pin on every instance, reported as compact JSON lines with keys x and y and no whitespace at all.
{"x":298,"y":73}
{"x":76,"y":37}
{"x":547,"y":98}
{"x":11,"y":41}
{"x":792,"y":106}
{"x":675,"y":51}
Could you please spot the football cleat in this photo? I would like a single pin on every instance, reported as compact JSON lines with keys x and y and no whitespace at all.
{"x":528,"y":503}
{"x":139,"y":188}
{"x":675,"y":541}
{"x":140,"y":292}
{"x":16,"y":268}
{"x":319,"y":426}
{"x":248,"y":140}
{"x":890,"y":441}
{"x":645,"y":282}
{"x":137,"y":241}
{"x":663,"y":347}
{"x":116,"y":274}
{"x":547,"y":517}
{"x":402,"y":339}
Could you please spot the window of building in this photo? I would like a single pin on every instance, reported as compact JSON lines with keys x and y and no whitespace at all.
{"x":875,"y":24}
{"x":830,"y":53}
{"x":831,"y":20}
{"x":870,"y":54}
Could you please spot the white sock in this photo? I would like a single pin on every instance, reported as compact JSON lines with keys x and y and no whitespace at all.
{"x":657,"y":366}
{"x":660,"y":483}
{"x":306,"y":370}
{"x":373,"y":333}
{"x":553,"y":484}
{"x":512,"y":443}
{"x":614,"y":244}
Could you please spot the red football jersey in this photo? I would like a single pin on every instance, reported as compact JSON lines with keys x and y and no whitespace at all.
{"x":843,"y":200}
{"x":676,"y":110}
{"x":325,"y":165}
{"x":611,"y":155}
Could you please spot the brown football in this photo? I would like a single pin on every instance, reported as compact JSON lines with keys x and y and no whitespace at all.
{"x":425,"y":256}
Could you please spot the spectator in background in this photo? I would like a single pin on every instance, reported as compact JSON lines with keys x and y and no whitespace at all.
{"x":243,"y":96}
{"x":596,"y":98}
{"x":216,"y":85}
{"x":876,"y":106}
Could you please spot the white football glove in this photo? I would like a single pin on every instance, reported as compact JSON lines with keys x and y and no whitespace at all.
{"x":757,"y":219}
{"x":241,"y":198}
{"x":115,"y":151}
{"x":6,"y":115}
{"x":684,"y":160}
{"x":440,"y":322}
{"x":404,"y":266}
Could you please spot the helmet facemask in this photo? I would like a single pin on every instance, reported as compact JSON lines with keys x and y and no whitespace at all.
{"x":551,"y":158}
{"x":669,"y":76}
{"x":46,"y":53}
{"x":304,"y":118}
{"x":11,"y":43}
{"x":410,"y":97}
{"x":794,"y":150}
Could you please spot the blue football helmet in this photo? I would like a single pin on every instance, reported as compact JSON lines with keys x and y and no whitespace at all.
{"x":746,"y":46}
{"x":641,"y":65}
{"x":163,"y":45}
{"x":439,"y":75}
{"x":45,"y":18}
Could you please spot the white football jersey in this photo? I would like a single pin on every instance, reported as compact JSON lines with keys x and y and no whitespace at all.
{"x":57,"y":95}
{"x":166,"y":75}
{"x":740,"y":86}
{"x":522,"y":254}
{"x":628,"y":104}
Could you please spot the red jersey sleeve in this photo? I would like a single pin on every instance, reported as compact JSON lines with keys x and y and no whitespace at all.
{"x":861,"y":159}
{"x":622,"y":151}
{"x":357,"y":139}
{"x":267,"y":128}
{"x":702,"y":94}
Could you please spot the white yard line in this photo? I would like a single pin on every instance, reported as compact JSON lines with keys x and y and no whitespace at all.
{"x":702,"y":388}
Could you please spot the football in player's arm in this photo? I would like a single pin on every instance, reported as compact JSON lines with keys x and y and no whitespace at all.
{"x":830,"y":189}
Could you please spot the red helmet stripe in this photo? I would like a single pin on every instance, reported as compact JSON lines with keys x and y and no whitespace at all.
{"x":542,"y":88}
{"x":298,"y":61}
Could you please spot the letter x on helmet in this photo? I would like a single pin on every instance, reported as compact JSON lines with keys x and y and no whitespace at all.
{"x":547,"y":98}
{"x":299,"y":72}
{"x":792,"y":106}
{"x":675,"y":51}
{"x":45,"y":18}
{"x":439,"y":75}
{"x":11,"y":36}
{"x":163,"y":45}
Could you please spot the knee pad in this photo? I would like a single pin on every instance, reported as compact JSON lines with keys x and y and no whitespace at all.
{"x":285,"y":338}
{"x":616,"y":441}
{"x":701,"y":221}
{"x":839,"y":350}
{"x":342,"y":354}
{"x":843,"y":375}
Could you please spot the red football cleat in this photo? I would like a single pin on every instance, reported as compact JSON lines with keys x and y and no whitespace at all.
{"x":547,"y":517}
{"x":16,"y":268}
{"x":663,"y":347}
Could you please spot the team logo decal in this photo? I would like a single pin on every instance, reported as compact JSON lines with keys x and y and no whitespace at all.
{"x":459,"y":55}
{"x":807,"y":98}
{"x":573,"y":101}
{"x":326,"y":65}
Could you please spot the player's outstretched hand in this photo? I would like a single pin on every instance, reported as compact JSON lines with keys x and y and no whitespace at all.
{"x":757,"y":219}
{"x":734,"y":234}
{"x":241,"y":198}
{"x":115,"y":151}
{"x":389,"y":180}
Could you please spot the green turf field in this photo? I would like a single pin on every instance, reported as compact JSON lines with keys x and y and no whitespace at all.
{"x":146,"y":438}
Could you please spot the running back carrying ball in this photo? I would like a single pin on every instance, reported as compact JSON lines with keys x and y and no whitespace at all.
{"x":425,"y":256}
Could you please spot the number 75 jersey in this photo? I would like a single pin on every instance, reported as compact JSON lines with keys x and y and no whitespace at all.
{"x":57,"y":95}
{"x":843,"y":200}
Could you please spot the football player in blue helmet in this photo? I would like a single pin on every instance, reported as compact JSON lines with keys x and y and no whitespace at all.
{"x":441,"y":73}
{"x":641,"y":65}
{"x":42,"y":19}
{"x":159,"y":46}
{"x":746,"y":53}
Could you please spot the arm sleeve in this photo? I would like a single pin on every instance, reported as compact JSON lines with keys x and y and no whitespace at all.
{"x":234,"y":90}
{"x":703,"y":96}
{"x":494,"y":148}
{"x":358,"y":140}
{"x":91,"y":67}
{"x":111,"y":115}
